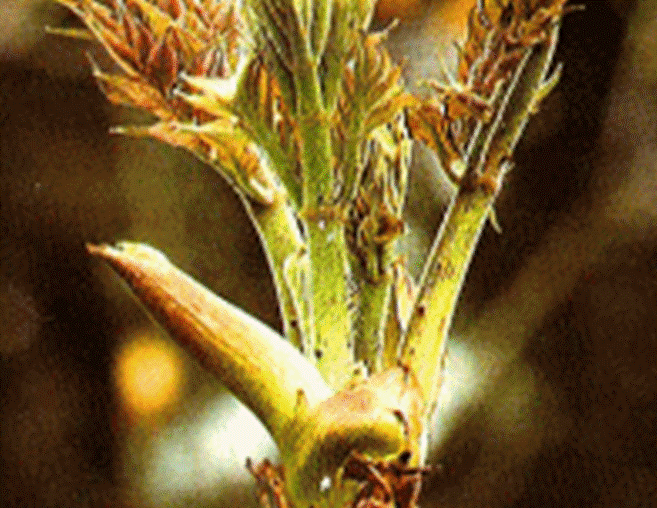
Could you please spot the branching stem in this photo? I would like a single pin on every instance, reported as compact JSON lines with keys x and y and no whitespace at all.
{"x":424,"y":343}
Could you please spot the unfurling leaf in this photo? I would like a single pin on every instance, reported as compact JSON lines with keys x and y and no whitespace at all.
{"x":266,"y":115}
{"x":181,"y":62}
{"x":155,"y":41}
{"x":371,"y":96}
{"x":132,"y":91}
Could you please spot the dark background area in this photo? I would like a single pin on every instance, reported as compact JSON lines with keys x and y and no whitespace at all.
{"x":551,"y":390}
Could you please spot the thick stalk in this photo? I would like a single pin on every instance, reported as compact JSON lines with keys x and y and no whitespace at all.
{"x":451,"y":253}
{"x":380,"y":417}
{"x":263,"y":370}
{"x":440,"y":285}
{"x":315,"y":429}
{"x":329,"y":269}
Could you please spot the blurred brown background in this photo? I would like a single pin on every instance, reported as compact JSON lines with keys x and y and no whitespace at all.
{"x":551,"y":392}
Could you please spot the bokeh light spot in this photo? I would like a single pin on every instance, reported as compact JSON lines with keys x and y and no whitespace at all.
{"x":149,"y":375}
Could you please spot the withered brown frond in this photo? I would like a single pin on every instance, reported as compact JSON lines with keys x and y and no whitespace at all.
{"x":497,"y":33}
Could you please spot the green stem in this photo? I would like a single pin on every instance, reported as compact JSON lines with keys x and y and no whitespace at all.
{"x":452,"y":250}
{"x":285,"y":250}
{"x":440,"y":285}
{"x":329,"y":266}
{"x":324,"y":230}
{"x":392,"y":331}
{"x":374,"y":302}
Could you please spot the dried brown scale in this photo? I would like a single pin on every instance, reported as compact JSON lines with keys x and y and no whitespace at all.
{"x":271,"y":484}
{"x":201,"y":13}
{"x":502,"y":69}
{"x":176,"y":8}
{"x":125,"y":51}
{"x":143,"y":40}
{"x":385,"y":484}
{"x":430,"y":125}
{"x":159,"y":65}
{"x":124,"y":90}
{"x":459,"y":103}
{"x":132,"y":34}
{"x":103,"y":14}
{"x":325,"y":213}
